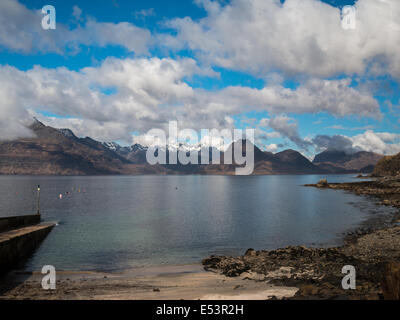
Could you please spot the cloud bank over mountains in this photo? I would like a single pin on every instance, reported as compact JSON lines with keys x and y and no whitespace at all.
{"x":147,"y":93}
{"x":309,"y":65}
{"x":378,"y":142}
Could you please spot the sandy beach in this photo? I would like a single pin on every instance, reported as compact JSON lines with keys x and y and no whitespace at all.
{"x":189,"y":282}
{"x":288,"y":273}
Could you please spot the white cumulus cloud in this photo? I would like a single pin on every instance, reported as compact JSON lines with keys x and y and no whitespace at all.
{"x":125,"y":95}
{"x":296,"y":37}
{"x":21,"y":31}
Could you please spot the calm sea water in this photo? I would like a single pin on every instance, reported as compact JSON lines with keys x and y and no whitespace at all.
{"x":120,"y":222}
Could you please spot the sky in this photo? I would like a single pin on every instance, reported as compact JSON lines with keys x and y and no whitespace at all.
{"x":115,"y":69}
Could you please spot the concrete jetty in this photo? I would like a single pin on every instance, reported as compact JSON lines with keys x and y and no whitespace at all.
{"x":19,"y":237}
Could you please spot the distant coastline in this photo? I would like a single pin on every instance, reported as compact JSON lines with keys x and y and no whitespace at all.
{"x":59,"y":152}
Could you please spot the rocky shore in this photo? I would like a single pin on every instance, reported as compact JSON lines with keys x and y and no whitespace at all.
{"x":374,"y":251}
{"x":288,"y":273}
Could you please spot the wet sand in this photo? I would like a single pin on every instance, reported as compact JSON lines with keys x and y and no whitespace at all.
{"x":293,"y":272}
{"x":164,"y":283}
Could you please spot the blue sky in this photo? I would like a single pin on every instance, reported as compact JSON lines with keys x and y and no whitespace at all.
{"x":289,"y":82}
{"x":117,"y":11}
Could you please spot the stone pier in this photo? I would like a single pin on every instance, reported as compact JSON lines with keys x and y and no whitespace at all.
{"x":19,"y":237}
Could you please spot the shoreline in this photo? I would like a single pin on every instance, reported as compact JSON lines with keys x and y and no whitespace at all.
{"x":373,"y":249}
{"x":294,"y":272}
{"x":184,"y":282}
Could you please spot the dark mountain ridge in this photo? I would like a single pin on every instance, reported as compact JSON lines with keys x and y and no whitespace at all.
{"x":60,"y":152}
{"x":336,"y":161}
{"x":52,"y":151}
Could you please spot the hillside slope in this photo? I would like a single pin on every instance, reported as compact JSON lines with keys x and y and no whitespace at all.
{"x":388,"y":166}
{"x":57,"y":152}
{"x":340,"y":162}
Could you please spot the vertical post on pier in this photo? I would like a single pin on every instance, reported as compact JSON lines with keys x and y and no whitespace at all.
{"x":38,"y":199}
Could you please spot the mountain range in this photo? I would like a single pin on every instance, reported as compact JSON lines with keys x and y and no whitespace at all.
{"x":59,"y":152}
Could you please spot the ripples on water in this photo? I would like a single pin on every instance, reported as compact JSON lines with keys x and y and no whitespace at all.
{"x":120,"y":222}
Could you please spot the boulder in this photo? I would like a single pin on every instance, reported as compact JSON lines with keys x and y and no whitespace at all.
{"x":251,"y":252}
{"x":211,"y":262}
{"x":322,"y":183}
